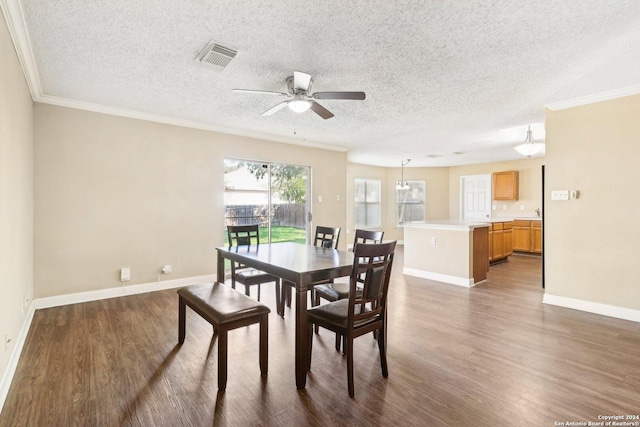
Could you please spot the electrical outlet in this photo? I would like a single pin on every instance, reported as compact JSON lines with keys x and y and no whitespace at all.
{"x":167,"y":269}
{"x":433,"y":240}
{"x":125,"y":274}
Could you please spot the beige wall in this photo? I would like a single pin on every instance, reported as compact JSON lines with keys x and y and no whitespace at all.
{"x":115,"y":192}
{"x":530,"y":177}
{"x":16,"y":196}
{"x":437,"y":197}
{"x":592,"y":248}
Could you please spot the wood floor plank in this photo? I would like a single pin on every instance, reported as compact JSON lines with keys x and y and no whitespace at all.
{"x":490,"y":355}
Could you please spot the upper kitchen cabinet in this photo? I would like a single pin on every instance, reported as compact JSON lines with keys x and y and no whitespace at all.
{"x":505,"y":185}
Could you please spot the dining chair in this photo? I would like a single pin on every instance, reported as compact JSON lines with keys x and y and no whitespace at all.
{"x":339,"y":289}
{"x":360,"y":313}
{"x":244,"y":235}
{"x":325,"y":237}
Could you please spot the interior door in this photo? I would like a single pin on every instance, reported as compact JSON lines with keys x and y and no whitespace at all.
{"x":475,"y":196}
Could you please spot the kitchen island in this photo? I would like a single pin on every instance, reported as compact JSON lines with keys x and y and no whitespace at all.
{"x":450,"y":251}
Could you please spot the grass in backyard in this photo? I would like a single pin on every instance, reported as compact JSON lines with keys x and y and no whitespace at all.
{"x":278,"y":234}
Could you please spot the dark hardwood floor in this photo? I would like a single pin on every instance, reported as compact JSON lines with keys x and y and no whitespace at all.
{"x":493,"y":355}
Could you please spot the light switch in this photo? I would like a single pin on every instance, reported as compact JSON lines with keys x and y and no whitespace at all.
{"x":125,"y":274}
{"x":433,"y":240}
{"x":560,"y":195}
{"x":319,"y":199}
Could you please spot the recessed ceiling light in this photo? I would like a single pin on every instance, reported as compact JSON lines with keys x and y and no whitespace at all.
{"x":459,"y":153}
{"x":434,"y":156}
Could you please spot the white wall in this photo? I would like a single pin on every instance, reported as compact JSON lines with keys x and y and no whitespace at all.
{"x":115,"y":192}
{"x":592,"y":248}
{"x":16,"y":197}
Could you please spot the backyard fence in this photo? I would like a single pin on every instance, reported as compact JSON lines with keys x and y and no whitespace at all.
{"x":286,"y":214}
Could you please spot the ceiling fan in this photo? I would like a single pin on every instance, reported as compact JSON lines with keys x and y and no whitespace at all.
{"x":301,"y":100}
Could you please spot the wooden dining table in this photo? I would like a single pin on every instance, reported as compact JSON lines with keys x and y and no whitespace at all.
{"x":300,"y":264}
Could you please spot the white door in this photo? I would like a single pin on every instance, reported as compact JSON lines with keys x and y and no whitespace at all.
{"x":475,"y":196}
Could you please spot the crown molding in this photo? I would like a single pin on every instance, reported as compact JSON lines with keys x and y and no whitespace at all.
{"x":13,"y":15}
{"x":122,"y":112}
{"x":597,"y":97}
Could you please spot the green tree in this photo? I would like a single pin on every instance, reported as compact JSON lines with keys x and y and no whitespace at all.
{"x":290,"y":182}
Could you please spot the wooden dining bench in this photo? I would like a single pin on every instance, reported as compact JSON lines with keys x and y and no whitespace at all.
{"x":225,"y":309}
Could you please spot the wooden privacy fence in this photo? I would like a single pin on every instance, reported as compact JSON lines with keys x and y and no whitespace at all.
{"x":285,"y":214}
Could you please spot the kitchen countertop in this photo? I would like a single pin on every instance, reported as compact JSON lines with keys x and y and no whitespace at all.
{"x":463,"y":224}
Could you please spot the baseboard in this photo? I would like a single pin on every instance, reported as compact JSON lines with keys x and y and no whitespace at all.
{"x":452,"y":280}
{"x":15,"y":356}
{"x":119,"y":291}
{"x":593,"y":307}
{"x":80,"y":297}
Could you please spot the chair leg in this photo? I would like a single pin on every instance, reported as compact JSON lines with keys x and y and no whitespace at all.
{"x":222,"y":359}
{"x":383,"y":352}
{"x":349,"y":349}
{"x":247,"y":290}
{"x":289,"y":288}
{"x":264,"y":344}
{"x":181,"y":319}
{"x":338,"y":340}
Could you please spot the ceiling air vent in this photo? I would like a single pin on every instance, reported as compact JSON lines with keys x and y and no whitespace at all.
{"x":216,"y":56}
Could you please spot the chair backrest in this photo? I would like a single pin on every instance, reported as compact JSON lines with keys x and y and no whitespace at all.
{"x":327,"y":237}
{"x":372,"y":269}
{"x":240,"y":235}
{"x":367,"y":236}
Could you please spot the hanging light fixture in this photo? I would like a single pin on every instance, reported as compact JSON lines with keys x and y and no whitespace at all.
{"x":529,"y":147}
{"x":402,"y":184}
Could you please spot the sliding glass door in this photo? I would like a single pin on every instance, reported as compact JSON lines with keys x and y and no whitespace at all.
{"x":272,"y":195}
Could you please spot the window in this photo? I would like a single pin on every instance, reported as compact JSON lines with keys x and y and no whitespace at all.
{"x":410,"y":203}
{"x":367,"y":203}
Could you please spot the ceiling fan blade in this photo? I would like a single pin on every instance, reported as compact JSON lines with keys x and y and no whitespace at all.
{"x":301,"y":81}
{"x":275,"y":108}
{"x":340,"y":95}
{"x":321,"y":111}
{"x":264,"y":92}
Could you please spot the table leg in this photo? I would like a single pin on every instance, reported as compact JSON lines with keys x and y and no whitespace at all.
{"x":220,"y":268}
{"x":302,"y":339}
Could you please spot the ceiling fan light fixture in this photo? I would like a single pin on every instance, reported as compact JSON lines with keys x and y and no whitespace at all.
{"x":529,"y":147}
{"x":299,"y":105}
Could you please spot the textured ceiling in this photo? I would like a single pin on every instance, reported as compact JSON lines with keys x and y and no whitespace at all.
{"x":440,"y":76}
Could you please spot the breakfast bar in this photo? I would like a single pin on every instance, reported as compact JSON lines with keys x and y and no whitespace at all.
{"x":450,"y":251}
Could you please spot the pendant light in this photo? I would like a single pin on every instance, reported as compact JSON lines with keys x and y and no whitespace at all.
{"x":402,"y":184}
{"x":529,"y":147}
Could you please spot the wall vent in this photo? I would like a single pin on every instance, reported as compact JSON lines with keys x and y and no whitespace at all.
{"x":216,"y":56}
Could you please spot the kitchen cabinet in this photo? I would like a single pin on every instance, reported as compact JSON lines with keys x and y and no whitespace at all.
{"x":505,"y":185}
{"x":536,"y":237}
{"x":527,"y":236}
{"x":500,"y":241}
